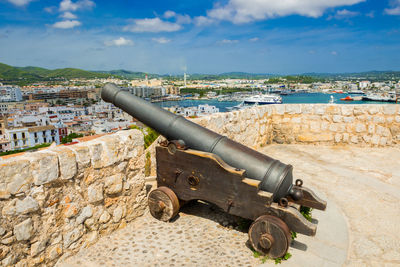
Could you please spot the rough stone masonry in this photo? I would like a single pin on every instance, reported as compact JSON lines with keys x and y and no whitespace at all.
{"x":55,"y":201}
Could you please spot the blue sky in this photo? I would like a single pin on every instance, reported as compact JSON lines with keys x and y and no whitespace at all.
{"x":209,"y":36}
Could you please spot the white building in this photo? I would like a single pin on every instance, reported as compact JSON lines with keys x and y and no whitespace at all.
{"x":10,"y":94}
{"x":364,"y":84}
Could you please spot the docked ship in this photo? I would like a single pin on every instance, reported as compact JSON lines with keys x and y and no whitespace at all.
{"x":263,"y":100}
{"x":391,"y":97}
{"x":356,"y":92}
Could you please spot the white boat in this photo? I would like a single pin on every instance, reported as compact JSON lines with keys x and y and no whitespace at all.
{"x":380,"y":97}
{"x":263,"y":99}
{"x":356,"y":92}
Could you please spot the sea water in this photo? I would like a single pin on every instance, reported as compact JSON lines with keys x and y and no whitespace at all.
{"x":300,"y":98}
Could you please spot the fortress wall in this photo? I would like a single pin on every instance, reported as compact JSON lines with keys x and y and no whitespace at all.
{"x":55,"y":201}
{"x":360,"y":125}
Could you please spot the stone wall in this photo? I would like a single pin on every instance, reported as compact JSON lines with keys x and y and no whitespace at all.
{"x":361,"y":125}
{"x":55,"y":201}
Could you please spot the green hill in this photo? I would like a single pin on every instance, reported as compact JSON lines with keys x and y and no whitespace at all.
{"x":34,"y":74}
{"x":130,"y":74}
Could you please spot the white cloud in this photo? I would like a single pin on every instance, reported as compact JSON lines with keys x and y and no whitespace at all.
{"x":227,"y":41}
{"x":67,"y":24}
{"x":395,"y":8}
{"x":203,"y":21}
{"x":183,"y":19}
{"x":152,"y":25}
{"x":20,"y":2}
{"x":68,"y":15}
{"x":255,"y":39}
{"x":119,"y":42}
{"x":370,"y":14}
{"x":344,"y":14}
{"x":169,"y":14}
{"x":161,"y":40}
{"x":68,"y":5}
{"x":244,"y":11}
{"x":50,"y":9}
{"x":334,"y":53}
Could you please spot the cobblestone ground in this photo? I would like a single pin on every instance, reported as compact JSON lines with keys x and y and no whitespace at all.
{"x":359,"y":228}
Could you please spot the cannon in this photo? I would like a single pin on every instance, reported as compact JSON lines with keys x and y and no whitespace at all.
{"x":195,"y":163}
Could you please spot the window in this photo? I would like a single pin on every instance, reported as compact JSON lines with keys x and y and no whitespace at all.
{"x":35,"y":135}
{"x":15,"y":143}
{"x":15,"y":136}
{"x":23,"y":135}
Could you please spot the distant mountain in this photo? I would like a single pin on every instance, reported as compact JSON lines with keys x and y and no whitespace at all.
{"x":368,"y":75}
{"x":33,"y":74}
{"x":130,"y":74}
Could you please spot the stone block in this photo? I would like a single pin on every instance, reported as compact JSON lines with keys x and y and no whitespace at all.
{"x":27,"y":205}
{"x":360,"y":128}
{"x":132,"y":143}
{"x":86,"y":213}
{"x":293,"y":108}
{"x":333,"y":127}
{"x":379,"y":119}
{"x":348,"y":119}
{"x":382,"y":131}
{"x":24,"y":230}
{"x":279,"y":109}
{"x":389,"y":109}
{"x":82,"y":154}
{"x":338,"y":138}
{"x":44,"y":167}
{"x":383,"y":141}
{"x":67,"y":162}
{"x":366,"y":138}
{"x":354,"y":139}
{"x":319,"y":109}
{"x":15,"y":176}
{"x":54,"y":252}
{"x":113,"y":184}
{"x":347,"y":110}
{"x":346,"y":137}
{"x":359,"y":110}
{"x":375,"y":139}
{"x":371,"y":128}
{"x":315,"y":127}
{"x":105,"y":217}
{"x":70,"y":210}
{"x":397,"y":119}
{"x":117,"y":214}
{"x":307,"y":109}
{"x":95,"y":193}
{"x":73,"y":235}
{"x":337,"y":118}
{"x":373,"y":109}
{"x":97,"y":153}
{"x":38,"y":246}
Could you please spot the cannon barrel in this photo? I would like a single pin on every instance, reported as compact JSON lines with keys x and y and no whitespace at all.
{"x":275,"y":176}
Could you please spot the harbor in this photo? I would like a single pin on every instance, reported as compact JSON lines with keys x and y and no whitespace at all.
{"x":294,"y":98}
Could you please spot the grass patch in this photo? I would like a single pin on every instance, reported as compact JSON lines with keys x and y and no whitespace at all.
{"x":264,"y":259}
{"x":150,"y":135}
{"x":306,"y":212}
{"x":23,"y":150}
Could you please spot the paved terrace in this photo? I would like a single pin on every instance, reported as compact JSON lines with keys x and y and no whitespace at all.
{"x":359,"y":228}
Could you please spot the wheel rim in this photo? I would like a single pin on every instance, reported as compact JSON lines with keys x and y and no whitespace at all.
{"x":163,"y":203}
{"x":270,"y":236}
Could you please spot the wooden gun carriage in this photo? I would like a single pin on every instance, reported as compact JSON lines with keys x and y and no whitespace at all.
{"x":194,"y":163}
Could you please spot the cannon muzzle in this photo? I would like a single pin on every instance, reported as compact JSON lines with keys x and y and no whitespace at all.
{"x":275,"y":176}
